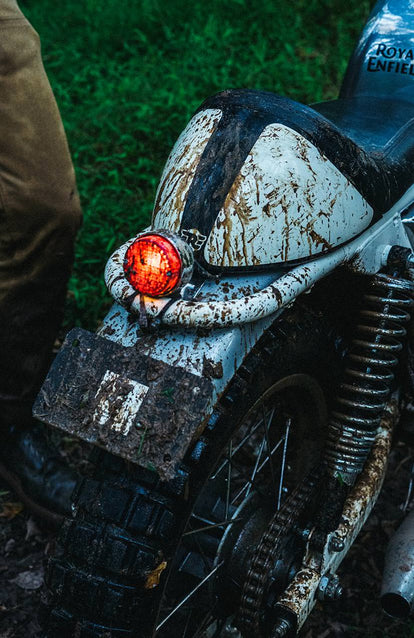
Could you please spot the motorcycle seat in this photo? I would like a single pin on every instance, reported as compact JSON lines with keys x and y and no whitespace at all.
{"x":370,"y":140}
{"x":384,"y":129}
{"x":369,"y":121}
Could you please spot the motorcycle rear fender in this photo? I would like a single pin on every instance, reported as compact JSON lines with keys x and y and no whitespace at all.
{"x":144,"y":396}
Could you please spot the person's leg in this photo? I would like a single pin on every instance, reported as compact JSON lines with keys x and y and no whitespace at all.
{"x":39,"y":217}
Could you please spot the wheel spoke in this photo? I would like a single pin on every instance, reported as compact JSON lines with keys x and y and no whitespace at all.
{"x":240,"y":492}
{"x":192,"y":592}
{"x":256,"y":467}
{"x":187,"y":624}
{"x":203,"y":520}
{"x":183,"y":562}
{"x":269,"y":452}
{"x":206,"y":561}
{"x":282,"y":467}
{"x":236,"y":449}
{"x":227,"y":522}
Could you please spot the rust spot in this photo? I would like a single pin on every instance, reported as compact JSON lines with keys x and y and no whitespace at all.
{"x":371,"y":479}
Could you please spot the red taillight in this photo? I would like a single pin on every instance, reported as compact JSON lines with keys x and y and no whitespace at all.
{"x":153,"y":265}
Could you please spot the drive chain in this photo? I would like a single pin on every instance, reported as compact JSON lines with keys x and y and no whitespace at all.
{"x":265,"y":555}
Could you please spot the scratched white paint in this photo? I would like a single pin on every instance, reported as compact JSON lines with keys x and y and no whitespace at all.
{"x":180,"y":169}
{"x":288,"y":202}
{"x":111,"y":388}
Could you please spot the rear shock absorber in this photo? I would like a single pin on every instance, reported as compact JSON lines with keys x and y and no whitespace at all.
{"x":367,"y":382}
{"x":368,"y":376}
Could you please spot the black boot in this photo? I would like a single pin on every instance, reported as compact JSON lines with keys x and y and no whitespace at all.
{"x":33,"y":468}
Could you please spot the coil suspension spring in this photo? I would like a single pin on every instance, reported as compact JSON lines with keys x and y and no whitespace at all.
{"x":368,"y":375}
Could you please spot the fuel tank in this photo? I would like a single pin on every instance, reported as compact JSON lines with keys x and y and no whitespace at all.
{"x":248,"y":187}
{"x":383,"y":61}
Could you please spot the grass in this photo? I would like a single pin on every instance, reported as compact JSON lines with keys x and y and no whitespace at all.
{"x":128,"y":74}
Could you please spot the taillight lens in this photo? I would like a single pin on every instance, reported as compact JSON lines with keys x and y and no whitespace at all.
{"x":153,"y":265}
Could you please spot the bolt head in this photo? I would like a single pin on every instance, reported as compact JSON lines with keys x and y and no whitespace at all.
{"x":336,"y":544}
{"x":329,"y":588}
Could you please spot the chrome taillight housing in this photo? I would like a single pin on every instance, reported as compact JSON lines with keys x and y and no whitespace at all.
{"x":158,"y":263}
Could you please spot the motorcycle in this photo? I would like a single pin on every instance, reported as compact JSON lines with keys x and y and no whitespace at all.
{"x":242,"y":392}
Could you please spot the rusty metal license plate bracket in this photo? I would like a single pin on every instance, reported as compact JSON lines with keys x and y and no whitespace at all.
{"x":136,"y":407}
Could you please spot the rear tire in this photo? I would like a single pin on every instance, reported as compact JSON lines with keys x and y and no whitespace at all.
{"x":115,"y":557}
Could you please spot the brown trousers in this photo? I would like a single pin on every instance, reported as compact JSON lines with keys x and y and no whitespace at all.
{"x":39,"y":215}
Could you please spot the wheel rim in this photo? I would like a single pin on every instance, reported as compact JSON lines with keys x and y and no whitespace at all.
{"x":271,"y":450}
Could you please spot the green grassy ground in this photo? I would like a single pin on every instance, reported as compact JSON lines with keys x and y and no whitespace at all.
{"x":128,"y":74}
